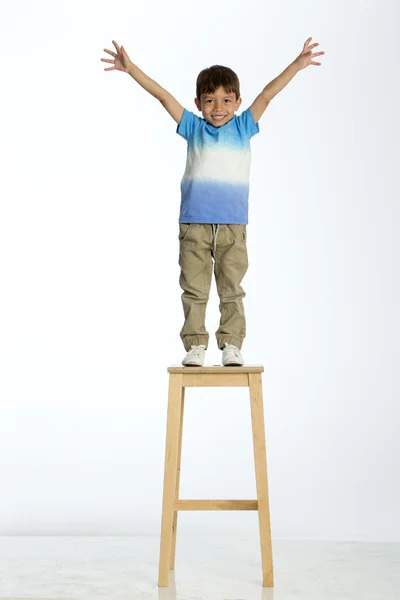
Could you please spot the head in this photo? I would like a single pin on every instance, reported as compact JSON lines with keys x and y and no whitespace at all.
{"x":218,"y":94}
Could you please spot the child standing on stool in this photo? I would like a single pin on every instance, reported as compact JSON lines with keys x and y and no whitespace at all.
{"x":214,"y":196}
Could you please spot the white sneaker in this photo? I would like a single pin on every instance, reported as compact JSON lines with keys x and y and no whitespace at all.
{"x":231,"y":356}
{"x":195,"y":356}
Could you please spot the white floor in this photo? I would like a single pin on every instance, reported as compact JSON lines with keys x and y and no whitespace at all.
{"x":207,"y":568}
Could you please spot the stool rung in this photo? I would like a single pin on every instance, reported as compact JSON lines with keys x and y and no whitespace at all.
{"x":216,"y":505}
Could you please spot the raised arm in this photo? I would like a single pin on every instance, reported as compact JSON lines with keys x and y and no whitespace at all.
{"x":304,"y":59}
{"x":123,"y":63}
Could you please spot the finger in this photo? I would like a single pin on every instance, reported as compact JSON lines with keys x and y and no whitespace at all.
{"x":313,"y":45}
{"x":107,"y":60}
{"x":315,"y":63}
{"x":110,"y":69}
{"x":116,"y":45}
{"x":307,"y":42}
{"x":317,"y":53}
{"x":110,"y":52}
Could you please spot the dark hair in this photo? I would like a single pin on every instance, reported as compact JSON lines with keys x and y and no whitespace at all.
{"x":217,"y":76}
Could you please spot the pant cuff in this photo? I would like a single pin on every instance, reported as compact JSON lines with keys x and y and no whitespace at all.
{"x":194,"y":340}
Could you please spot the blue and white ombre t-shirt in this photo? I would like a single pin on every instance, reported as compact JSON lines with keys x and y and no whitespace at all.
{"x":215,"y":184}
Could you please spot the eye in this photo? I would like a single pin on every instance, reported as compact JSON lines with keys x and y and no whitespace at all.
{"x":228,"y":100}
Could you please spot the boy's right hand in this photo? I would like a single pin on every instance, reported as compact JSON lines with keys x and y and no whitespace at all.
{"x":121,"y":60}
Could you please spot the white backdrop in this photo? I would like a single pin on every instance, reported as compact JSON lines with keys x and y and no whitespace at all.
{"x":90,"y":299}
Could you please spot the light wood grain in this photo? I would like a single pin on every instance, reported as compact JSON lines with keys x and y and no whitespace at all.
{"x":178,"y":477}
{"x":260,"y":461}
{"x":237,"y":379}
{"x":170,"y":474}
{"x":216,"y":505}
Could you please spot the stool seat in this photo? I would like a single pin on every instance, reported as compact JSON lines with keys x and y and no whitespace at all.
{"x":180,"y":378}
{"x":216,"y":369}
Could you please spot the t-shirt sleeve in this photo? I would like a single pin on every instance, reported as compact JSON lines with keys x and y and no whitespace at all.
{"x":187,"y":123}
{"x":247,"y":124}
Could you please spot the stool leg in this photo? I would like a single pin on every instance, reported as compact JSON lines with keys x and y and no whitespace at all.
{"x":170,"y":473}
{"x":260,"y":460}
{"x":178,"y":476}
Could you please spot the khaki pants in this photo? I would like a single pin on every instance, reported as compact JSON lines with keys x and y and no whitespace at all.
{"x":198,"y":244}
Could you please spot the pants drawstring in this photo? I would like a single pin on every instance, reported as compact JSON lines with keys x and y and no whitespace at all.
{"x":215,"y":234}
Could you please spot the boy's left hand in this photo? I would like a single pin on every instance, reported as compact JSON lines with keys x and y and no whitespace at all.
{"x":306,"y":57}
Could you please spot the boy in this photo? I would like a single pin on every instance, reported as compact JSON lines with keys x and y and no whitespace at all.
{"x":214,"y":196}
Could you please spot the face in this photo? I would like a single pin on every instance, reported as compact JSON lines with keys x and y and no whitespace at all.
{"x":219,"y":107}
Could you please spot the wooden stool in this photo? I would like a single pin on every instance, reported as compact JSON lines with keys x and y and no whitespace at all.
{"x":180,"y":378}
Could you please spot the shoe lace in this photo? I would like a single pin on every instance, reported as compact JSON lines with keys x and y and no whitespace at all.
{"x":232,"y":348}
{"x":196,"y":350}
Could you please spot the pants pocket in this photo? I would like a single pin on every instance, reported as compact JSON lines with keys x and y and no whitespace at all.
{"x":183,"y":230}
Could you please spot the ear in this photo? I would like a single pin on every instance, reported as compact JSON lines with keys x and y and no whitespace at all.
{"x":238,"y":103}
{"x":197,"y":103}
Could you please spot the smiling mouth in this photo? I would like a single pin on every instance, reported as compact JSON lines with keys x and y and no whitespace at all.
{"x":218,"y":117}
